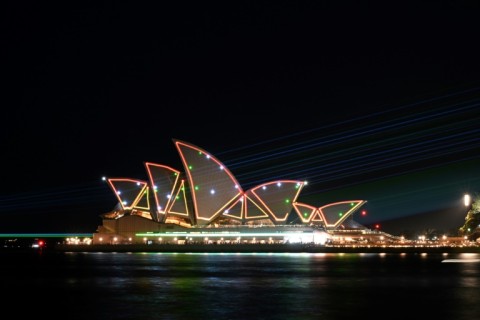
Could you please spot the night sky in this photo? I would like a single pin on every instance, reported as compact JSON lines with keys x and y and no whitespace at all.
{"x":363,"y":102}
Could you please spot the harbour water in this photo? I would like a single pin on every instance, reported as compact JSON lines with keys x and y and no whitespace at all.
{"x":76,"y":285}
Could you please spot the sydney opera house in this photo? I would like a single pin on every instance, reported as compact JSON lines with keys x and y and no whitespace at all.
{"x":204,"y":203}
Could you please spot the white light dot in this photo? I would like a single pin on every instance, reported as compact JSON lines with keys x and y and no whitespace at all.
{"x":466,"y":200}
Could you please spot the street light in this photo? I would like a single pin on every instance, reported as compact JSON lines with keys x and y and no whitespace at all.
{"x":466,"y":200}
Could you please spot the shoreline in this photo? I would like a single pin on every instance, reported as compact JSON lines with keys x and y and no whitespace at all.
{"x":256,"y":248}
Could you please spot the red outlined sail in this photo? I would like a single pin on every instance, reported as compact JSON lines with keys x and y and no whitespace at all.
{"x":335,"y":213}
{"x":129,"y":192}
{"x":306,"y":212}
{"x":276,"y":197}
{"x":331,"y":215}
{"x":179,"y":203}
{"x":216,"y":192}
{"x":164,"y":182}
{"x":212,"y":186}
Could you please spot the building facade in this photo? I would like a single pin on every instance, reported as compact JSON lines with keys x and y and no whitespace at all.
{"x":205,"y":202}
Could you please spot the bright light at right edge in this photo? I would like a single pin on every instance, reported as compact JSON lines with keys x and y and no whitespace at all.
{"x":466,"y":200}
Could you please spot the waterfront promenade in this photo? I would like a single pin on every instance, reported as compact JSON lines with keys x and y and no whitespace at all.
{"x":262,"y":248}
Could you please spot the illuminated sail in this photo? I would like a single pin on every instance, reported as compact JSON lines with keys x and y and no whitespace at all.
{"x":165,"y":184}
{"x":331,"y":215}
{"x":276,"y":197}
{"x":215,"y":191}
{"x":129,"y":192}
{"x":306,"y":212}
{"x":213,"y":188}
{"x":215,"y":195}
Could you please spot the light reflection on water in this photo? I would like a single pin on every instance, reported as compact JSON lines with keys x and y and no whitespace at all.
{"x":246,"y":286}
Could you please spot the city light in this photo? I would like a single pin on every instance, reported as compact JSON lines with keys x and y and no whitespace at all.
{"x":466,"y":200}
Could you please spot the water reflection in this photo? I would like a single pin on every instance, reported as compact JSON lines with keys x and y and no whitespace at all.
{"x":249,"y":286}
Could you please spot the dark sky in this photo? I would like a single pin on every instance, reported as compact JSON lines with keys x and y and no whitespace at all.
{"x":363,"y":102}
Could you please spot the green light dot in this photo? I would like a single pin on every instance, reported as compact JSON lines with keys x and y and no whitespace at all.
{"x":190,"y":167}
{"x":340,"y":214}
{"x":196,"y":187}
{"x":287,"y":200}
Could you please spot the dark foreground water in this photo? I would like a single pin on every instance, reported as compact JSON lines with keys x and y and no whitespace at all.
{"x":57,"y":285}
